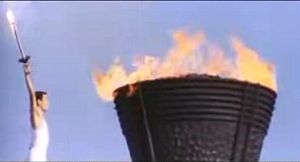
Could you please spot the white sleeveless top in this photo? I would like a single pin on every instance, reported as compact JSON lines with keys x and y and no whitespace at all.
{"x":39,"y":143}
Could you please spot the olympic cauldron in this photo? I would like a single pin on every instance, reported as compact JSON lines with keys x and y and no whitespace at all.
{"x":194,"y":118}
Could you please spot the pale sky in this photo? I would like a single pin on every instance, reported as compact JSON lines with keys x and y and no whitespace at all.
{"x":67,"y":39}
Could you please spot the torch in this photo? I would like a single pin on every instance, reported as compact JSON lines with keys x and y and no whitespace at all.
{"x":11,"y":20}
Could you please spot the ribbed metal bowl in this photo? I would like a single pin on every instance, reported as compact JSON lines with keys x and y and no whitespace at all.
{"x":194,"y":117}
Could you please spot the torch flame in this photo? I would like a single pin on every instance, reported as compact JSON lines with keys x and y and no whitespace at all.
{"x":11,"y":19}
{"x":190,"y":54}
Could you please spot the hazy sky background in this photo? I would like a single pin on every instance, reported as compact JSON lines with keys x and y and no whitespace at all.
{"x":68,"y":39}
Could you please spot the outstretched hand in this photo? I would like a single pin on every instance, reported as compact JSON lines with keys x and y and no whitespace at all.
{"x":26,"y":65}
{"x":24,"y":60}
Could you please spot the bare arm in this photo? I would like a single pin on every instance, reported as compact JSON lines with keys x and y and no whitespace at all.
{"x":29,"y":82}
{"x":35,"y":113}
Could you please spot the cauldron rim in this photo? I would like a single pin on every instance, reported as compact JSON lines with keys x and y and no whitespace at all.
{"x":199,"y":77}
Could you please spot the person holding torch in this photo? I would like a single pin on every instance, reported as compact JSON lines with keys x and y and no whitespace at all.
{"x":38,"y":105}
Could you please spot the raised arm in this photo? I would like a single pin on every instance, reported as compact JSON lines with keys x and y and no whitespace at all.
{"x":29,"y":82}
{"x":36,"y":114}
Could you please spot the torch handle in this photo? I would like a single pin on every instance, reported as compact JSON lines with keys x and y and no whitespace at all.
{"x":19,"y":43}
{"x":23,"y":58}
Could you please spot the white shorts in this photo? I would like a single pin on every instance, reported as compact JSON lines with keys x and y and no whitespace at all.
{"x":38,"y":154}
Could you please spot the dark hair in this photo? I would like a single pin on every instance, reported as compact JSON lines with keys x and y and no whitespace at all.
{"x":39,"y":95}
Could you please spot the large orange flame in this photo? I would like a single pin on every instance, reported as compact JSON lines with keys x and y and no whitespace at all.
{"x":190,"y":54}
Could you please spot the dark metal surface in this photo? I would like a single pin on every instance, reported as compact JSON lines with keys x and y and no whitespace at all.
{"x":195,"y":117}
